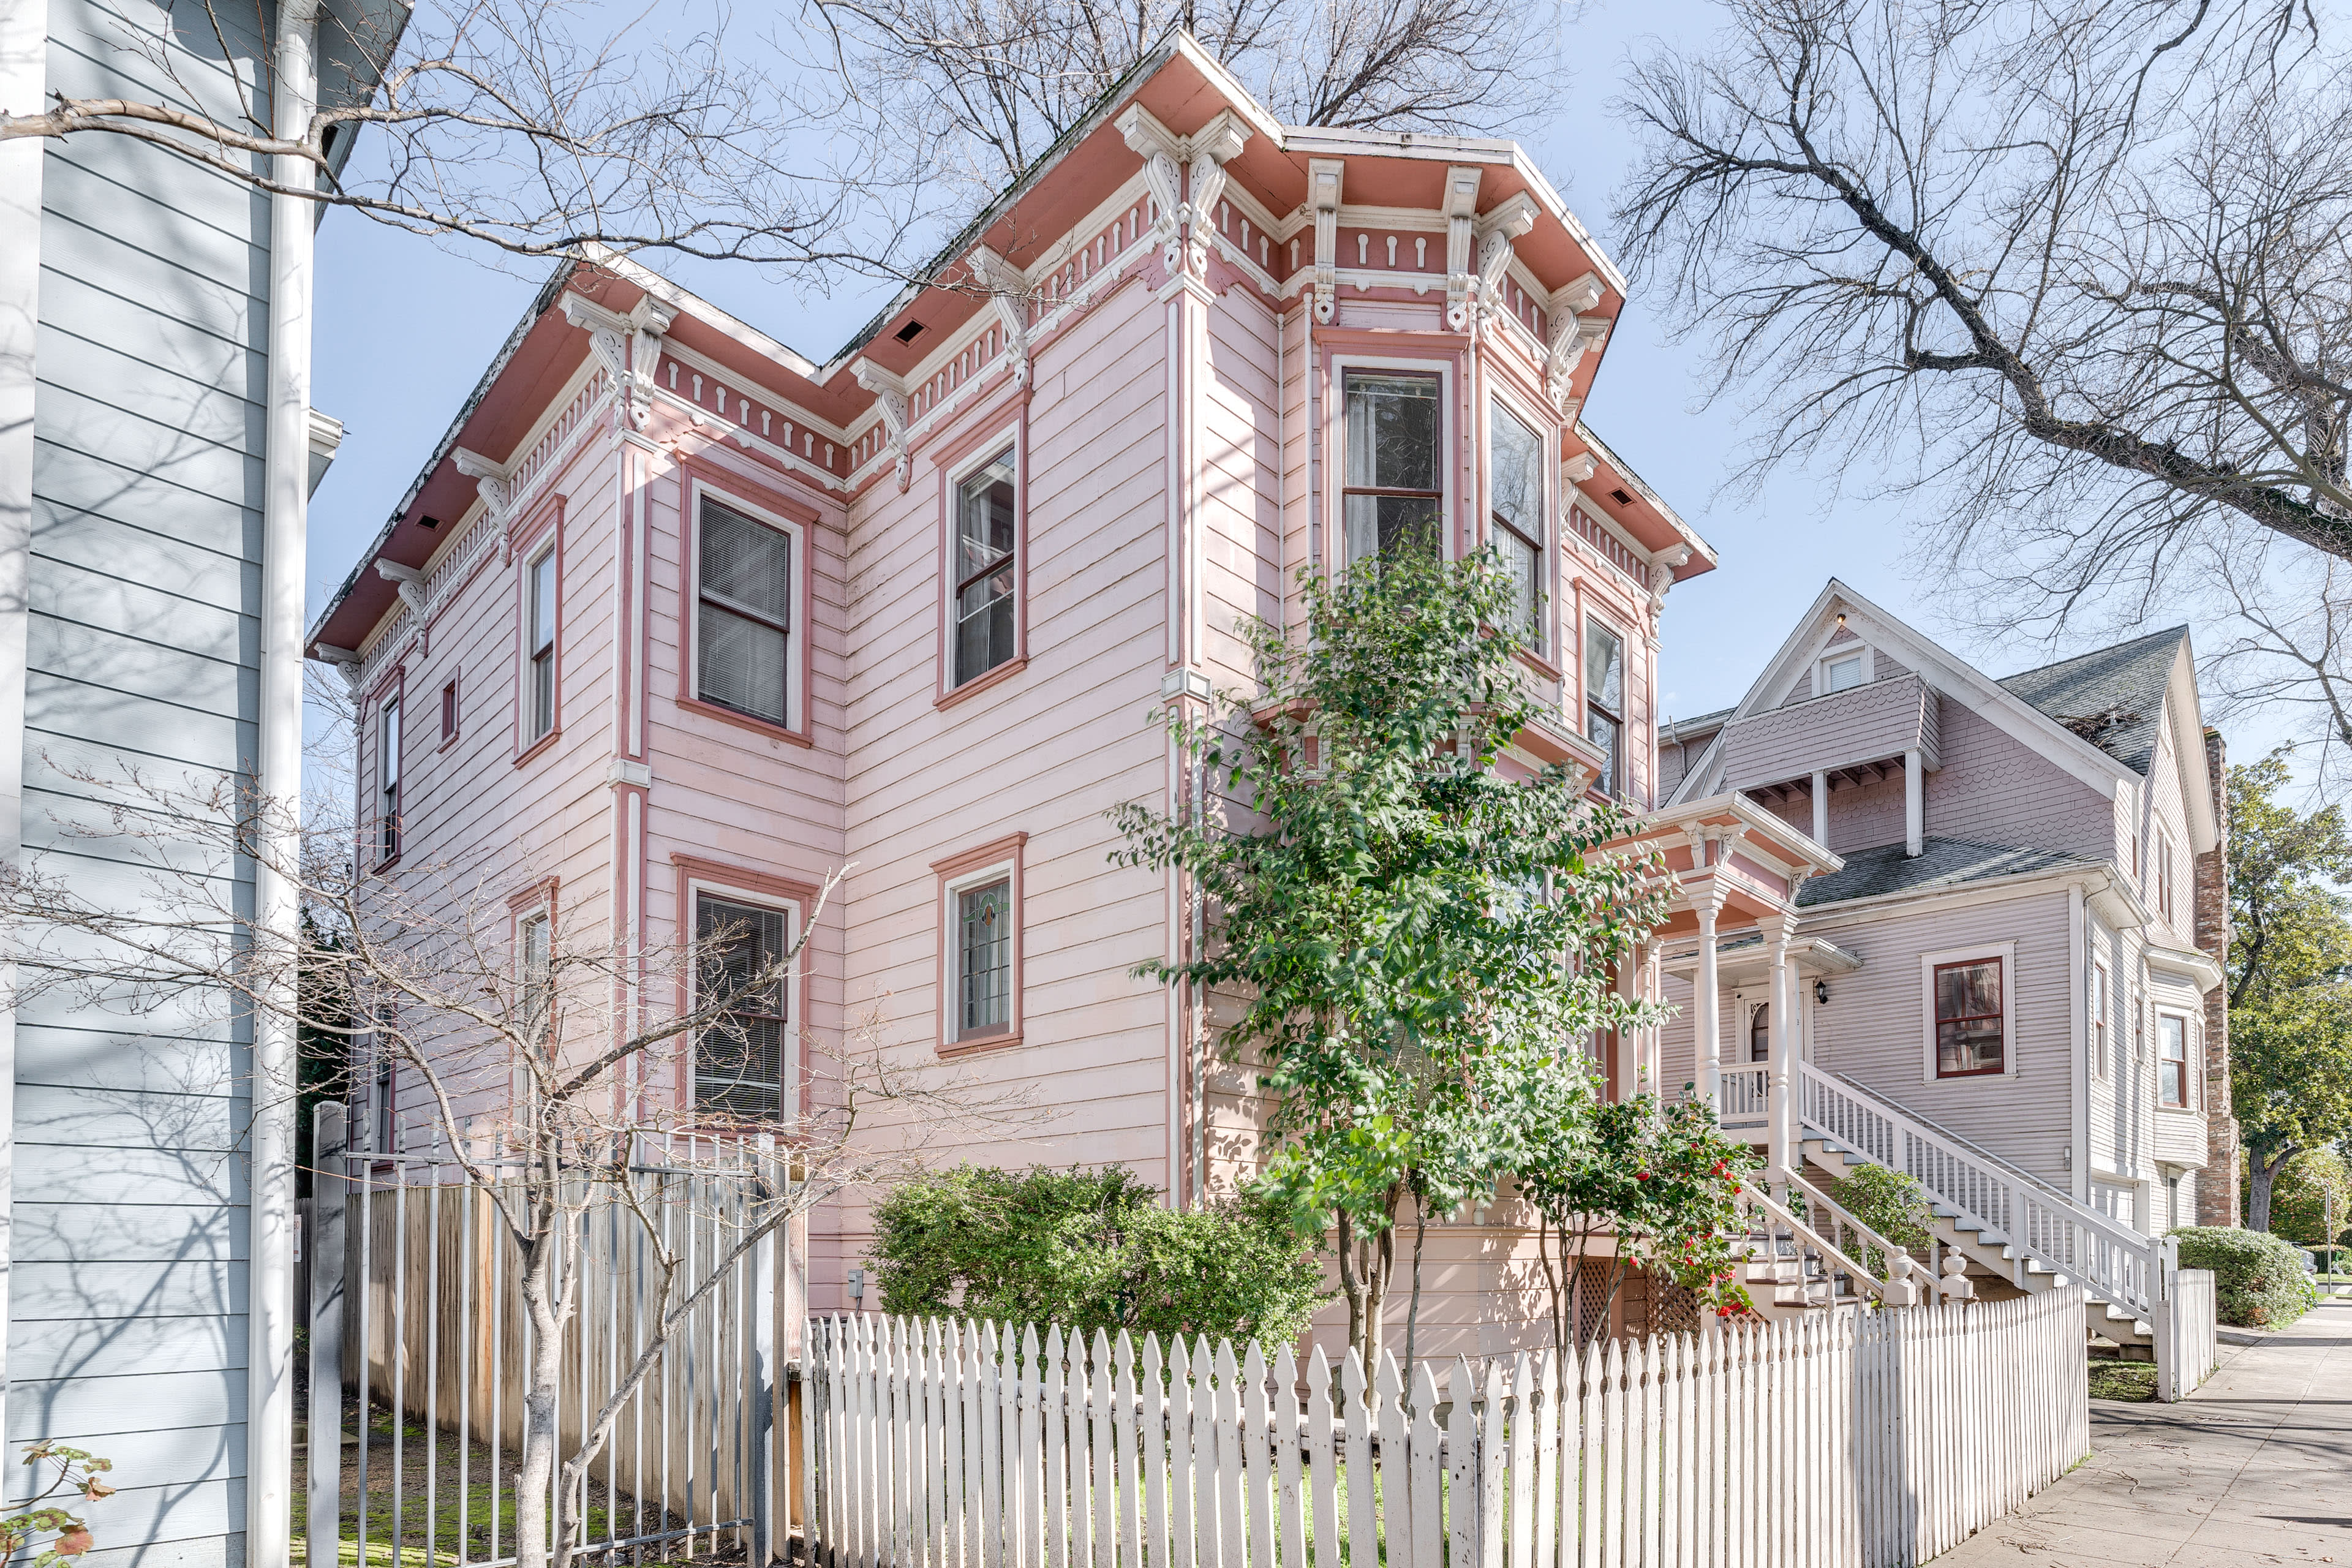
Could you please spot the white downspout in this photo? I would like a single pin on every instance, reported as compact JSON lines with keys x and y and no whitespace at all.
{"x":270,"y":1396}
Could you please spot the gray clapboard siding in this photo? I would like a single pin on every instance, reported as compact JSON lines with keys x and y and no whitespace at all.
{"x":124,"y":1402}
{"x":127,"y":1232}
{"x":78,"y":1118}
{"x":65,"y":417}
{"x":226,"y":409}
{"x":98,"y":1291}
{"x":118,"y":1058}
{"x":137,"y":725}
{"x":175,"y":1459}
{"x":88,"y":492}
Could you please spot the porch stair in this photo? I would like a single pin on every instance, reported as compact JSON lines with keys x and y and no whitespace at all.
{"x":2019,"y":1232}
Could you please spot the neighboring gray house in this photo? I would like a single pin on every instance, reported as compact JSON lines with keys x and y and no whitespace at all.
{"x":156,"y":460}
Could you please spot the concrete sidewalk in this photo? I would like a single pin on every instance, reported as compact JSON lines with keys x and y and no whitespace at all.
{"x":2256,"y":1468}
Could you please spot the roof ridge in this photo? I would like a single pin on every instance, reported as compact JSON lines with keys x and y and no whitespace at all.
{"x":2175,"y":633}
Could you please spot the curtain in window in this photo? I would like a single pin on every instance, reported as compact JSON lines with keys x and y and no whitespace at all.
{"x":744,"y":624}
{"x":1516,"y":484}
{"x":738,"y":1062}
{"x":1604,"y":701}
{"x":1967,"y":1018}
{"x":1394,"y":489}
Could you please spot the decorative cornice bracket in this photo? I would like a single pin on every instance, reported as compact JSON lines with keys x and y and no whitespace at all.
{"x":1324,"y":178}
{"x":1461,"y":215}
{"x":890,"y":400}
{"x":1496,"y":231}
{"x":411,"y":583}
{"x":1183,"y":226}
{"x":1572,"y":335}
{"x":1008,"y":295}
{"x":493,"y":481}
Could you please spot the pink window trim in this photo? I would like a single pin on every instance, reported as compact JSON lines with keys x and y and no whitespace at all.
{"x":1008,"y":848}
{"x":728,"y":488}
{"x":526,"y":545}
{"x":1007,"y":421}
{"x":722,"y":876}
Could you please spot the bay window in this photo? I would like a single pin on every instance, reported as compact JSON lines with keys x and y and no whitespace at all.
{"x":1516,"y":490}
{"x":1392,"y":495}
{"x":1604,"y":703}
{"x":2172,"y":1083}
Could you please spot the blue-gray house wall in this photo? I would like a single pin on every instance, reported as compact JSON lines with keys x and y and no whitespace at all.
{"x":129,"y":1287}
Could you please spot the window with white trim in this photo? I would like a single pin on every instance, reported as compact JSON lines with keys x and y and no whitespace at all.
{"x":738,"y":1060}
{"x":1393,"y":493}
{"x":987,"y":568}
{"x":1515,"y":486}
{"x":1604,"y":703}
{"x":983,"y":957}
{"x":1972,"y":1021}
{"x":388,"y":780}
{"x":743,"y":602}
{"x":1841,"y":672}
{"x":2173,"y":1087}
{"x":2164,"y":876}
{"x":539,"y":619}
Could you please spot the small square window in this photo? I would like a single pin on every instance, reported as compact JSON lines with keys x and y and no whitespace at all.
{"x":1971,"y":1036}
{"x":1839,"y":674}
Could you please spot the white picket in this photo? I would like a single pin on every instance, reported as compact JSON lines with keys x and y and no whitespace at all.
{"x":1291,"y":1505}
{"x":1425,"y":1460}
{"x":1322,"y":1473}
{"x":1363,"y":1525}
{"x":1838,"y":1439}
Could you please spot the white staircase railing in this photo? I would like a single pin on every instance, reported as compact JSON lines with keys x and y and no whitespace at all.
{"x":2011,"y":1207}
{"x":1745,"y":1097}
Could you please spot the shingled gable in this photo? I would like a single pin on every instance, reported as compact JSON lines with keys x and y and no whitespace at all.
{"x":1948,"y":674}
{"x":1182,"y":89}
{"x":2112,"y":697}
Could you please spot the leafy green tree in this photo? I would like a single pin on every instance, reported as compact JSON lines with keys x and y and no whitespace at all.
{"x":1091,"y":1249}
{"x":1658,"y":1183}
{"x":2314,"y":1188}
{"x":2290,"y":976}
{"x":1890,"y":1202}
{"x":1411,"y":939}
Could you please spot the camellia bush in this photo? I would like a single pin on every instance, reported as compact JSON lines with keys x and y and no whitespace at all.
{"x":2259,"y":1279}
{"x":1091,"y":1249}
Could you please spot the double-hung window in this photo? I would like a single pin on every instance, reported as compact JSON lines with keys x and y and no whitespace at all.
{"x":540,"y":612}
{"x":2164,"y":876}
{"x":2172,"y":1084}
{"x":983,"y":947}
{"x":1515,"y":487}
{"x":738,"y":1060}
{"x":987,"y":568}
{"x":1971,"y":1036}
{"x":1604,"y":703}
{"x":388,"y":770}
{"x":1393,"y":494}
{"x":743,"y":614}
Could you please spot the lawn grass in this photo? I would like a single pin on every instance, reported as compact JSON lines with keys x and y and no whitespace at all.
{"x":2132,"y":1382}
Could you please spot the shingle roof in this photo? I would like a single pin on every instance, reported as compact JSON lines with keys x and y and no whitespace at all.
{"x":1673,"y":729}
{"x":2113,"y":697}
{"x":1941,"y":863}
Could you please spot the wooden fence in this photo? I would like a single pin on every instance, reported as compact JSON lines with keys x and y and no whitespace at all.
{"x":2196,"y":1337}
{"x":1863,"y":1439}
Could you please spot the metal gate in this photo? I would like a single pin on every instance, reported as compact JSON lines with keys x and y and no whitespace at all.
{"x":420,"y":1345}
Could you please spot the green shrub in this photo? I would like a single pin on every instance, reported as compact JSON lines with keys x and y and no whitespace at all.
{"x":1090,"y":1249}
{"x":1891,"y":1202}
{"x":2259,"y":1281}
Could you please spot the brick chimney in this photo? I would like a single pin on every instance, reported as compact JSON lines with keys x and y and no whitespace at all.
{"x":2216,"y":1184}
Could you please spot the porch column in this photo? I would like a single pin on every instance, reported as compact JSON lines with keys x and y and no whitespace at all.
{"x":1820,"y":806}
{"x":1915,"y":805}
{"x":1620,"y":1071}
{"x":1653,"y":1038}
{"x":1781,"y":1153}
{"x":1706,"y":1031}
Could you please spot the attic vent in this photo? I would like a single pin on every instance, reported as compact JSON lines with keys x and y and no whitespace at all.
{"x":1620,"y":498}
{"x":910,"y":331}
{"x":430,"y":521}
{"x":2091,"y":726}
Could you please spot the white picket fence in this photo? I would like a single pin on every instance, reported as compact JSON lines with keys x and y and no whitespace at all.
{"x":1850,"y":1440}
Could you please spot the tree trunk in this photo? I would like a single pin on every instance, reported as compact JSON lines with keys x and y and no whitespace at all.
{"x":2265,"y":1169}
{"x":534,"y":1478}
{"x":1412,"y":1308}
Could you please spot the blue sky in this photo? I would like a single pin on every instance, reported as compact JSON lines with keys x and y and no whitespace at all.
{"x":405,"y":328}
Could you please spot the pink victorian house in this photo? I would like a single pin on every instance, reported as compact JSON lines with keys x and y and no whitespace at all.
{"x":676,"y":621}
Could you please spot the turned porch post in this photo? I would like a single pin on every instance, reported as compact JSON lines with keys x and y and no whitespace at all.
{"x":1705,"y":1029}
{"x":1780,"y":1157}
